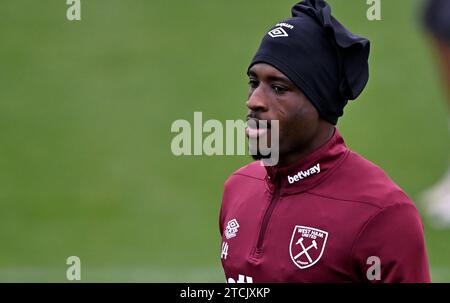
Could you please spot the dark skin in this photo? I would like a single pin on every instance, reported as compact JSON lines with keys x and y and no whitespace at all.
{"x":272,"y":96}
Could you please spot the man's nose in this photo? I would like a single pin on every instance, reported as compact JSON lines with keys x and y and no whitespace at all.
{"x":257,"y":101}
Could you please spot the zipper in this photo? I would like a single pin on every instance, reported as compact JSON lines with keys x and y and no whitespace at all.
{"x":266,"y":218}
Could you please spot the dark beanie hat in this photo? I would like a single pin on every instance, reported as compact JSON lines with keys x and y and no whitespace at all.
{"x":326,"y":61}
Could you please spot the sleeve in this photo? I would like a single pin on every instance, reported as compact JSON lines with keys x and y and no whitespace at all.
{"x":221,"y":221}
{"x":223,"y":206}
{"x":390,"y":248}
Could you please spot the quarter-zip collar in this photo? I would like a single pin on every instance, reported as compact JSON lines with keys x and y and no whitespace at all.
{"x":311,"y":170}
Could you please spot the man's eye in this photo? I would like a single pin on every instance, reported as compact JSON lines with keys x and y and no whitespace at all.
{"x":279,"y":89}
{"x":253,"y":83}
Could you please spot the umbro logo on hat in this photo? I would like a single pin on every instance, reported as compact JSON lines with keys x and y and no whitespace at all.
{"x":278,"y":32}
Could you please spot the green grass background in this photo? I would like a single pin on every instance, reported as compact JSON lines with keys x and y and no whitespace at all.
{"x":85,"y":113}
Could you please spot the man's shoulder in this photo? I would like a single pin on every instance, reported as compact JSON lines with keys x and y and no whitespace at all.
{"x":360,"y":180}
{"x":251,"y":171}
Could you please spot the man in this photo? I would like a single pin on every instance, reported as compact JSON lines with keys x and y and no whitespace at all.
{"x":323,"y":213}
{"x":437,"y":21}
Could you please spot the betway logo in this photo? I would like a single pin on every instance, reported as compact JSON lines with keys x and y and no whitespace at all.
{"x":304,"y":174}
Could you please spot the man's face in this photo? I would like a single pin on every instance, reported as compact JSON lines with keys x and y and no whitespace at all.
{"x":272,"y":96}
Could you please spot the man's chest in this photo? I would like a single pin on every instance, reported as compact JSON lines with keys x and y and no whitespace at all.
{"x":296,"y":238}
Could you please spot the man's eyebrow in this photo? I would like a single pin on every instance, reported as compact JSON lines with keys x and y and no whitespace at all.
{"x":277,"y":78}
{"x":251,"y":73}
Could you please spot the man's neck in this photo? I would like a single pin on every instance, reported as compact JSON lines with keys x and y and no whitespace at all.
{"x":295,"y":156}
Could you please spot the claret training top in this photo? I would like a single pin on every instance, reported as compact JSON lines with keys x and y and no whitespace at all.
{"x":331,"y":217}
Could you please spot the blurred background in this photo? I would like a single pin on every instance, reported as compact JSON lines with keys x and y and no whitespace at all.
{"x":86,"y":108}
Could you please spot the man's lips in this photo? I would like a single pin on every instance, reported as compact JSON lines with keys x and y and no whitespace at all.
{"x":257,"y":128}
{"x":255,"y":133}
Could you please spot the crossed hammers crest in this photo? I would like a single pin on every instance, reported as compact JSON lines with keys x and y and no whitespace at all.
{"x":305,"y":250}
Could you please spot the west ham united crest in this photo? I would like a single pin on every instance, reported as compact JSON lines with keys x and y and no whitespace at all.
{"x":307,"y":245}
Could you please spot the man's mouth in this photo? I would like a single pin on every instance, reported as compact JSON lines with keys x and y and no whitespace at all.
{"x":257,"y":128}
{"x":255,"y":133}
